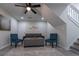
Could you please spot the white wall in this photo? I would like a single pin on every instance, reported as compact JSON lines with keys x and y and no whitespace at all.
{"x":61,"y":30}
{"x":4,"y":39}
{"x":50,"y":29}
{"x":42,"y":27}
{"x":14,"y":25}
{"x":5,"y":35}
{"x":32,"y":27}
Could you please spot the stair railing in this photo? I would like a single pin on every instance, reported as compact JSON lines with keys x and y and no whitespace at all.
{"x":73,"y":15}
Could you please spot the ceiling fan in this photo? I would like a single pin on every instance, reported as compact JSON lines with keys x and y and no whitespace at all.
{"x":28,"y":7}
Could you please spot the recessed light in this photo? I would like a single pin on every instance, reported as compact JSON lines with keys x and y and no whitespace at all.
{"x":42,"y":18}
{"x":22,"y":17}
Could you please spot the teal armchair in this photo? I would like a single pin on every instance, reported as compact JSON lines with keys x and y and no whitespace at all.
{"x":14,"y":39}
{"x":53,"y":39}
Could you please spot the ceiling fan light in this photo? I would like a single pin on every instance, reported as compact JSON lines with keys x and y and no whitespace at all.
{"x":28,"y":8}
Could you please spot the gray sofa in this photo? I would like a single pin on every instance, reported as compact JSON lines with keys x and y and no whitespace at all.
{"x":33,"y":39}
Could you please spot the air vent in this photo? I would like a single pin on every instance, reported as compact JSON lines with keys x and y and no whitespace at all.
{"x":30,"y":17}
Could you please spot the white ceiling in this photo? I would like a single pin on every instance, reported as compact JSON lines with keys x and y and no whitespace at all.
{"x":57,"y":8}
{"x":76,"y":5}
{"x":18,"y":12}
{"x":51,"y":17}
{"x":46,"y":10}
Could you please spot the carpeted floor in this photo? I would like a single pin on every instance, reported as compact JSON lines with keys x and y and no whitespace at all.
{"x":38,"y":51}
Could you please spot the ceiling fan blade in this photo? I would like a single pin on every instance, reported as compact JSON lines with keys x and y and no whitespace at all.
{"x":30,"y":4}
{"x":26,"y":4}
{"x":19,"y":5}
{"x":35,"y":6}
{"x":25,"y":12}
{"x":33,"y":11}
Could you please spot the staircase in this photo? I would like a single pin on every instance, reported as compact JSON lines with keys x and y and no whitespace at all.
{"x":73,"y":15}
{"x":75,"y":47}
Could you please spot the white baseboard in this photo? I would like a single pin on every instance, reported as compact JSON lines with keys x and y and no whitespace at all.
{"x":4,"y":46}
{"x":63,"y":47}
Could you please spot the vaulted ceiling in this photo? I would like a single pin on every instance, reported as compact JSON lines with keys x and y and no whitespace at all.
{"x":46,"y":10}
{"x":18,"y":12}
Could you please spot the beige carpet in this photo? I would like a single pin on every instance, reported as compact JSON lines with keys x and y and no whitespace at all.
{"x":34,"y":51}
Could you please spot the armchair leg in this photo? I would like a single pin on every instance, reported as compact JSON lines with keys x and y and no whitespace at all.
{"x":52,"y":45}
{"x":22,"y":42}
{"x":46,"y":43}
{"x":11,"y":44}
{"x":56,"y":44}
{"x":15,"y":45}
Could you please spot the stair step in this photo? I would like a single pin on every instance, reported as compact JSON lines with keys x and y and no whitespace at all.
{"x":78,"y":39}
{"x":75,"y":47}
{"x":76,"y":43}
{"x":74,"y":50}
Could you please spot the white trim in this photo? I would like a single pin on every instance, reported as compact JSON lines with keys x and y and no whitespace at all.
{"x":4,"y":46}
{"x":63,"y":47}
